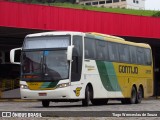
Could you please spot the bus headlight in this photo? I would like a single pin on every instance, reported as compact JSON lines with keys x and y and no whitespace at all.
{"x":24,"y":86}
{"x":63,"y":85}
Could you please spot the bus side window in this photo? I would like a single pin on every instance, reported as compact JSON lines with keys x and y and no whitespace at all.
{"x":102,"y":53}
{"x":77,"y":59}
{"x":148,"y":60}
{"x":90,"y":52}
{"x":123,"y":53}
{"x":140,"y":56}
{"x":133,"y":54}
{"x":113,"y":51}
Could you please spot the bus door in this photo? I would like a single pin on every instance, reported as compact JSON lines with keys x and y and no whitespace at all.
{"x":76,"y":69}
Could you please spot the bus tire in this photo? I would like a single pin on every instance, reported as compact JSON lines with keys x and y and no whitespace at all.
{"x":139,"y":95}
{"x":133,"y":98}
{"x":99,"y":101}
{"x":85,"y":102}
{"x":45,"y":103}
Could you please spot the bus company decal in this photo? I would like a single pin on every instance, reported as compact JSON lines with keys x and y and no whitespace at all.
{"x":108,"y":76}
{"x":42,"y":85}
{"x":128,"y":69}
{"x":89,"y":67}
{"x":77,"y":91}
{"x":49,"y":85}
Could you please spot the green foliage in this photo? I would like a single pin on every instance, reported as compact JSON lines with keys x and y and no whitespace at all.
{"x":157,"y":14}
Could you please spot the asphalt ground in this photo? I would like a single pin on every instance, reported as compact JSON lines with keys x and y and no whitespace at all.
{"x":64,"y":110}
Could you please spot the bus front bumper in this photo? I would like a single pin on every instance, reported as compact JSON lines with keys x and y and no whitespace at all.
{"x":60,"y":93}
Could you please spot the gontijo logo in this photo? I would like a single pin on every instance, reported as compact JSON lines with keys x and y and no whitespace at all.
{"x":77,"y":91}
{"x":128,"y":69}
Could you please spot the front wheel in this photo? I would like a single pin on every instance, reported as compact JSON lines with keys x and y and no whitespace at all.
{"x":45,"y":103}
{"x":85,"y":102}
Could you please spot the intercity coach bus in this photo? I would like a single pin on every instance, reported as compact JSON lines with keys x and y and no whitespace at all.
{"x":88,"y":67}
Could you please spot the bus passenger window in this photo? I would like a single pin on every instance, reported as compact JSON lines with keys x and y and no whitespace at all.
{"x":90,"y":48}
{"x":113,"y":51}
{"x":140,"y":56}
{"x":133,"y":54}
{"x":123,"y":53}
{"x":101,"y":50}
{"x":148,"y":60}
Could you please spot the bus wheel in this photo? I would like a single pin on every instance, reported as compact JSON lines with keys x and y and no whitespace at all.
{"x":132,"y":100}
{"x":85,"y":102}
{"x":139,"y":95}
{"x":45,"y":103}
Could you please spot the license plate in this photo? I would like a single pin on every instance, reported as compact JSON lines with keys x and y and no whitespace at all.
{"x":42,"y":94}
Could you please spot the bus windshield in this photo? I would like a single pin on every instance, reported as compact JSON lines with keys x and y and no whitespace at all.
{"x":46,"y":57}
{"x":32,"y":61}
{"x":50,"y":65}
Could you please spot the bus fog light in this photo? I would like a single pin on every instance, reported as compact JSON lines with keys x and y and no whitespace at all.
{"x":24,"y":86}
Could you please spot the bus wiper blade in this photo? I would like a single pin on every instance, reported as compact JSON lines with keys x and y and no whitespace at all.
{"x":41,"y":64}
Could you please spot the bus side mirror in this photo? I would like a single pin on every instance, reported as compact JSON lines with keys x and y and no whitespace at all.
{"x":69,"y":52}
{"x":12,"y":55}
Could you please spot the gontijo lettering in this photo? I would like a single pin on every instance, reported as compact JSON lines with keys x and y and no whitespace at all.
{"x":128,"y":69}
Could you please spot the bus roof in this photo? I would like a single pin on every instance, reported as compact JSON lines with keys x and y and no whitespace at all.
{"x":106,"y":36}
{"x":116,"y":39}
{"x":55,"y":33}
{"x":91,"y":34}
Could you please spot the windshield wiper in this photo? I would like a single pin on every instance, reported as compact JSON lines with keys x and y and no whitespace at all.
{"x":41,"y":64}
{"x":44,"y":66}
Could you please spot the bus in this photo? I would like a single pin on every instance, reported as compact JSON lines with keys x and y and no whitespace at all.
{"x":66,"y":66}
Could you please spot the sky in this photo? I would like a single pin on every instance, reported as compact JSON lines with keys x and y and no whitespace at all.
{"x":152,"y":4}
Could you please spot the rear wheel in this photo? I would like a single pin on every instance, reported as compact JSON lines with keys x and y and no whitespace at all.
{"x":139,"y":95}
{"x":133,"y":98}
{"x":45,"y":103}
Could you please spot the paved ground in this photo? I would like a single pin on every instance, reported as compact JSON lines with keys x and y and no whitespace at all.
{"x":113,"y":105}
{"x":68,"y":108}
{"x":11,"y":93}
